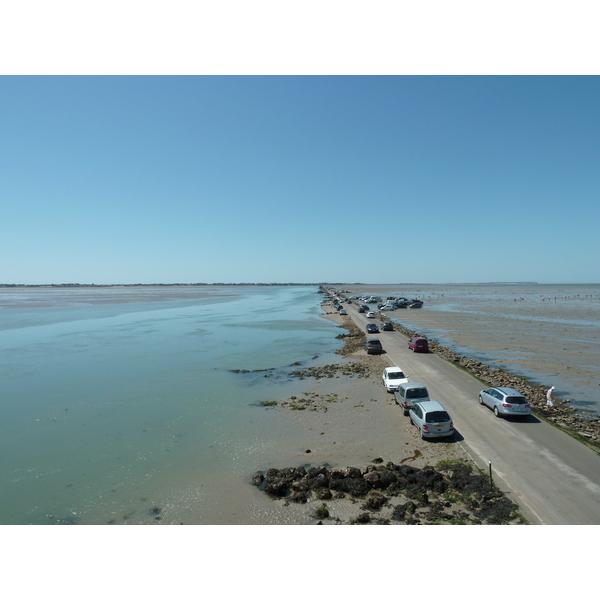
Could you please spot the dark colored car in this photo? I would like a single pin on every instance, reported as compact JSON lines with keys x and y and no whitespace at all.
{"x":418,"y":344}
{"x":361,"y":309}
{"x":372,"y":328}
{"x":415,"y":304}
{"x":387,"y":326}
{"x":373,"y":346}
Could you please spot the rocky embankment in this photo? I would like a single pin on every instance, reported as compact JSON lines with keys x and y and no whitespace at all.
{"x":452,"y":493}
{"x":561,"y":414}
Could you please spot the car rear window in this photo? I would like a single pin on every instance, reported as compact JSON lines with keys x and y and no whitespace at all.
{"x":437,"y":416}
{"x":417,"y":393}
{"x":516,"y":400}
{"x":421,"y":343}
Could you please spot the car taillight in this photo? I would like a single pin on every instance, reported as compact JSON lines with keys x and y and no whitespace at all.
{"x":451,"y":425}
{"x":506,"y":405}
{"x":425,"y":428}
{"x":527,"y":406}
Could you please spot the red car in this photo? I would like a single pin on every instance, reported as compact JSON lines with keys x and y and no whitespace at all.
{"x":418,"y":344}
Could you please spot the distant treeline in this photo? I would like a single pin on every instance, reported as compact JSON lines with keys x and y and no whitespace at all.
{"x":107,"y":285}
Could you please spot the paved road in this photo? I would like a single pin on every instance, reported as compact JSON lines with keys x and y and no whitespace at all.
{"x":554,"y":478}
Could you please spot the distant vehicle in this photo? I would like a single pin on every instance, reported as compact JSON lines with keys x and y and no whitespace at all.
{"x":418,"y":344}
{"x":370,"y":315}
{"x":372,"y":328}
{"x":387,"y":307}
{"x":505,"y":401}
{"x":387,"y":326}
{"x":415,"y":304}
{"x":361,"y":309}
{"x":431,"y":419}
{"x":393,"y":377}
{"x":409,"y":393}
{"x":373,"y":346}
{"x":343,"y":311}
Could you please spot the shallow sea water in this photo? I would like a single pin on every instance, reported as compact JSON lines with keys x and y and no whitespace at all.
{"x":120,"y":406}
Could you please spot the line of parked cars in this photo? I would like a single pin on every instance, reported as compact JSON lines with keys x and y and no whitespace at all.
{"x":393,"y":303}
{"x":431,"y":418}
{"x":373,"y":345}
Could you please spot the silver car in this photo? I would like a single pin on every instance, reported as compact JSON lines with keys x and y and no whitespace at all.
{"x":431,"y":419}
{"x":408,"y":393}
{"x":505,"y":401}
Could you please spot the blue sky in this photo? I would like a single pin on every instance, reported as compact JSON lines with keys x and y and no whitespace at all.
{"x":375,"y":179}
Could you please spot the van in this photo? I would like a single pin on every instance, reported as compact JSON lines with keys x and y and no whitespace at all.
{"x":431,"y":419}
{"x":409,"y":393}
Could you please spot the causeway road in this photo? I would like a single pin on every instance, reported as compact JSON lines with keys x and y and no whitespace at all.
{"x":554,"y":478}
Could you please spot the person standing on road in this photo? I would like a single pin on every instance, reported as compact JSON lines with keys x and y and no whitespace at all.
{"x":549,"y":401}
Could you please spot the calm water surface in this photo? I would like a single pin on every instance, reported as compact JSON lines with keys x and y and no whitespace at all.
{"x":119,"y":405}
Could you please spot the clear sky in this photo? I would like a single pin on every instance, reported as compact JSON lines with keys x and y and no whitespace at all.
{"x":375,"y":179}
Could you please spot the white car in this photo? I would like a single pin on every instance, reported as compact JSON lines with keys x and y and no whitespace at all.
{"x":370,"y":315}
{"x":393,"y":377}
{"x":343,"y":311}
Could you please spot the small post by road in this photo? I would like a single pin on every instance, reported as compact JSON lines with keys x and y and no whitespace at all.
{"x":491,"y":482}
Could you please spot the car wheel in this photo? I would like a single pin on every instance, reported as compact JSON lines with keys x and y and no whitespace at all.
{"x":422,"y":436}
{"x":496,"y":411}
{"x":480,"y":399}
{"x":406,"y":414}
